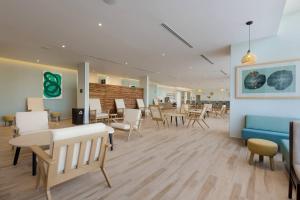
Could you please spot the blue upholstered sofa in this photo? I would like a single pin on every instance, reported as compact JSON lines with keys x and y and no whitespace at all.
{"x":275,"y":129}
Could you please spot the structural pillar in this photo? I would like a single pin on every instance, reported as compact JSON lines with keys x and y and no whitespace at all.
{"x":83,"y":94}
{"x":145,"y":84}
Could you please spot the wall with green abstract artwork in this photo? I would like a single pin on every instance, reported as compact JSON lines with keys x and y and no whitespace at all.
{"x":19,"y":80}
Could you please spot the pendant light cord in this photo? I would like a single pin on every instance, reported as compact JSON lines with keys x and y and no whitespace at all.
{"x":249,"y":37}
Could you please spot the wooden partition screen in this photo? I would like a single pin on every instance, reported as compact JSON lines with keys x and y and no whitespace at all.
{"x":108,"y":93}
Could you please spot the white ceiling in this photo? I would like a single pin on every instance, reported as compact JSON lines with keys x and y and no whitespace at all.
{"x":131,"y":32}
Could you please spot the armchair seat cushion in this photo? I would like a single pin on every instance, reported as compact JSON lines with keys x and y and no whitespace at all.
{"x":102,"y":115}
{"x":122,"y":126}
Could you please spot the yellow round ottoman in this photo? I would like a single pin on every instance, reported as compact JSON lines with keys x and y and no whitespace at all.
{"x":55,"y":115}
{"x":262,"y":148}
{"x":8,"y":119}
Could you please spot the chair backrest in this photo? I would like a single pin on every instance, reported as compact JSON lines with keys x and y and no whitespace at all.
{"x":140,"y":103}
{"x":155,"y":101}
{"x":35,"y":104}
{"x":184,"y":108}
{"x":208,"y":106}
{"x":204,"y":110}
{"x":155,"y":112}
{"x":133,"y":116}
{"x":95,"y":105}
{"x":295,"y":142}
{"x":223,"y":109}
{"x":120,"y":103}
{"x":29,"y":122}
{"x":77,"y":149}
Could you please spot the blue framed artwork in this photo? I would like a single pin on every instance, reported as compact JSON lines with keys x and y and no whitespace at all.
{"x":268,"y":80}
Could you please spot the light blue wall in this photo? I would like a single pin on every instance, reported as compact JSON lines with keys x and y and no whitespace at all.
{"x":282,"y":47}
{"x":20,"y":80}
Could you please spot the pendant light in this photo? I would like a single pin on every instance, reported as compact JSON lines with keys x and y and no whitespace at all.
{"x":249,"y":58}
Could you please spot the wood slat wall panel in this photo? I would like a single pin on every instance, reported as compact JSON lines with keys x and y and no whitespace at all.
{"x":108,"y":93}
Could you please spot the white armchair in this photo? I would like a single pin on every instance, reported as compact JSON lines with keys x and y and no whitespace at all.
{"x":120,"y":106}
{"x":141,"y":106}
{"x":132,"y":122}
{"x":35,"y":104}
{"x":30,"y":123}
{"x":96,"y":111}
{"x":73,"y":152}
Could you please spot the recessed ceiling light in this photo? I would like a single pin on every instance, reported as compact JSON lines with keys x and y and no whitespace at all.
{"x":126,"y":63}
{"x":163,"y":54}
{"x":158,"y":72}
{"x":99,"y":24}
{"x":37,"y":60}
{"x":190,"y":67}
{"x":222,"y":89}
{"x":63,"y":46}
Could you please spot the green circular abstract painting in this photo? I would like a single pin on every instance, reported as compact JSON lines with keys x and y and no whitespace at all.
{"x":52,"y":84}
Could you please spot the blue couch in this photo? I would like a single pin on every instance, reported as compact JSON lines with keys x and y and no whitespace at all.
{"x":275,"y":129}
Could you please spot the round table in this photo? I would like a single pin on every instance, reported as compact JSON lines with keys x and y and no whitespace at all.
{"x":41,"y":138}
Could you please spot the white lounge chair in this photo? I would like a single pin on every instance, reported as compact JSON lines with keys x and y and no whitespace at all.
{"x":120,"y":106}
{"x":141,"y":106}
{"x":73,"y":152}
{"x":132,"y":122}
{"x":157,"y":115}
{"x":96,"y":111}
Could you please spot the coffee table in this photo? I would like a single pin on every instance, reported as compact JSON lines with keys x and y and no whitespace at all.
{"x":40,"y":139}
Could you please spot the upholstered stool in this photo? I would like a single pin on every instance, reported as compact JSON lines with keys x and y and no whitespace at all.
{"x":8,"y":119}
{"x":55,"y":115}
{"x":262,"y":148}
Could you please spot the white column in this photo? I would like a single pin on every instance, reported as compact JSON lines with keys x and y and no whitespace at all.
{"x":145,"y":84}
{"x":83,"y":89}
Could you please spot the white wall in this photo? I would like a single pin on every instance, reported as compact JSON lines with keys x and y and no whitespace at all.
{"x":282,"y":47}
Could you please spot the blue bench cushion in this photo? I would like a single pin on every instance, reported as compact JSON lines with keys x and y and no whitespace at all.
{"x":263,"y":134}
{"x":284,"y":148}
{"x":267,"y":123}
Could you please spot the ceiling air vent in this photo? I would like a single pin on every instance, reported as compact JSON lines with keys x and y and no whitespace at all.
{"x":206,"y":59}
{"x":176,"y":35}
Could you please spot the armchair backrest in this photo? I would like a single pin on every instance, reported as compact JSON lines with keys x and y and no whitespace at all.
{"x":77,"y":148}
{"x":120,"y":103}
{"x":29,"y":122}
{"x":204,"y":110}
{"x":35,"y":104}
{"x":295,"y":142}
{"x":95,"y":105}
{"x":133,"y":116}
{"x":155,"y":112}
{"x":140,"y":103}
{"x":208,"y":106}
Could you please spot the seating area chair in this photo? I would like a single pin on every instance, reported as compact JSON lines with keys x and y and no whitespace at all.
{"x":132,"y":122}
{"x":96,"y":111}
{"x":197,"y":117}
{"x":35,"y":104}
{"x":220,"y":112}
{"x":184,"y":109}
{"x":157,"y":115}
{"x":294,"y":150}
{"x":30,"y":123}
{"x":141,"y":106}
{"x":120,"y":106}
{"x":73,"y":152}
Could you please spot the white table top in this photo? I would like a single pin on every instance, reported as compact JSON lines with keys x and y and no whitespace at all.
{"x":39,"y":138}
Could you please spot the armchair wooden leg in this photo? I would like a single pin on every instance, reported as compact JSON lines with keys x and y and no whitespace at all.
{"x":129,"y":134}
{"x":205,"y":123}
{"x":290,"y":187}
{"x":106,"y":177}
{"x":48,"y":194}
{"x":251,"y":158}
{"x":17,"y":155}
{"x":271,"y":163}
{"x":298,"y":192}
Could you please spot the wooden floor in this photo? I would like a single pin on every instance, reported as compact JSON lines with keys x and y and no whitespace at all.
{"x":168,"y":163}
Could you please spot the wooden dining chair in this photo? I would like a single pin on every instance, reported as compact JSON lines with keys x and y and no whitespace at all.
{"x":197,"y":117}
{"x":157,"y":115}
{"x":96,"y":113}
{"x":294,"y":173}
{"x":74,"y":151}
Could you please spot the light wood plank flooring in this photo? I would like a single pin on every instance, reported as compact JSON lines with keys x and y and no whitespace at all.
{"x":168,"y":163}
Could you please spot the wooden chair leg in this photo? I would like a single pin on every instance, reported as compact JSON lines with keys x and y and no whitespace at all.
{"x":290,"y":187}
{"x":48,"y":194}
{"x":205,"y":123}
{"x":38,"y":177}
{"x":106,"y":177}
{"x":251,"y":158}
{"x":272,"y":163}
{"x":200,"y":124}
